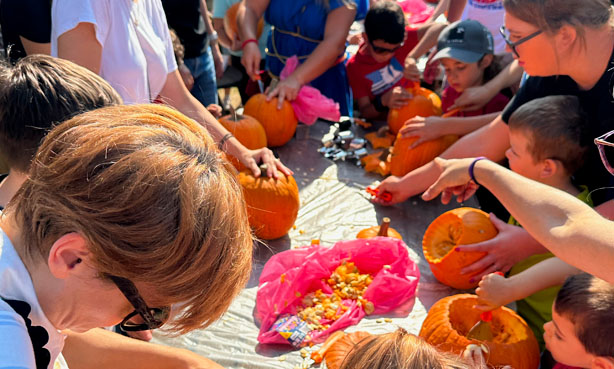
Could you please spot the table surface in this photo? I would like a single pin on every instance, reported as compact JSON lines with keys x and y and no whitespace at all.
{"x":334,"y":207}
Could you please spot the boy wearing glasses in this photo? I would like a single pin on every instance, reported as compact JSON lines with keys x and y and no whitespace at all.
{"x":387,"y":59}
{"x":548,"y":145}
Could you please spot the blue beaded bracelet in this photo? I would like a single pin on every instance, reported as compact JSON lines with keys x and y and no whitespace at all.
{"x":472,"y":165}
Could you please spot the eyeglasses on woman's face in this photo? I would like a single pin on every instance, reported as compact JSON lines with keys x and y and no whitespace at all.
{"x":152,"y":317}
{"x":602,"y":144}
{"x":514,"y":45}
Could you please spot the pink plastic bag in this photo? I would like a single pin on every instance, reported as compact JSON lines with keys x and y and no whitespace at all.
{"x":305,"y":268}
{"x":416,"y":11}
{"x":310,"y":104}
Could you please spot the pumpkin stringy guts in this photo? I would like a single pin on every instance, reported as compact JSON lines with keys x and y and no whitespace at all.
{"x":320,"y":310}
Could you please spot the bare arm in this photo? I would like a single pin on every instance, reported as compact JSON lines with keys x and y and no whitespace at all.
{"x":32,"y":47}
{"x":79,"y":45}
{"x":566,"y":226}
{"x":248,"y":23}
{"x":215,"y":48}
{"x":99,"y":348}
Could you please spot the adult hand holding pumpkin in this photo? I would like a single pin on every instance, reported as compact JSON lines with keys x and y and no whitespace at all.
{"x":426,"y":128}
{"x":286,"y":89}
{"x":251,"y":158}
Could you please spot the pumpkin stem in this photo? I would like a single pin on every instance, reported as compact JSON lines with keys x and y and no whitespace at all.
{"x":263,"y":169}
{"x":383,"y":228}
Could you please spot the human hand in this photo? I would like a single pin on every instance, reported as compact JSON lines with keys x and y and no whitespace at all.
{"x":473,"y":98}
{"x":355,"y":39}
{"x":474,"y":355}
{"x":502,"y":251}
{"x":215,"y":110}
{"x":251,"y":158}
{"x":285,"y":90}
{"x":410,"y":69}
{"x":396,"y":98}
{"x":426,"y":129}
{"x":494,"y":291}
{"x":251,"y":59}
{"x":454,"y":180}
{"x":394,"y":186}
{"x":186,"y":76}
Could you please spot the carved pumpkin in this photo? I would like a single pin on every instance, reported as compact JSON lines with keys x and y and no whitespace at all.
{"x":272,"y":204}
{"x":451,"y":318}
{"x":404,"y":159}
{"x":335,"y":355}
{"x":424,"y":103}
{"x":279,"y":125}
{"x":245,"y":129}
{"x":460,"y":226}
{"x":230,"y":22}
{"x":381,"y":230}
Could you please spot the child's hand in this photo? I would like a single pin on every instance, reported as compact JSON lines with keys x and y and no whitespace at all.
{"x":410,"y":69}
{"x":494,"y":291}
{"x":427,"y":129}
{"x":396,"y":98}
{"x":215,"y":110}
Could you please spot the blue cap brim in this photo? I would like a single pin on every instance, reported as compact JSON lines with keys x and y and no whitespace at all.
{"x":458,"y":54}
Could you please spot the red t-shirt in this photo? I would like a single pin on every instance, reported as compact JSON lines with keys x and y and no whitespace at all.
{"x":370,"y":78}
{"x":450,"y":95}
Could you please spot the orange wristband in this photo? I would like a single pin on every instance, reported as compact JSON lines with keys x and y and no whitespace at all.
{"x":247,"y":42}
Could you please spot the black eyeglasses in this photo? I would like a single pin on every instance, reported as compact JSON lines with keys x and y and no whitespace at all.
{"x":152,"y":317}
{"x":384,"y":50}
{"x":514,"y":45}
{"x":601,"y":144}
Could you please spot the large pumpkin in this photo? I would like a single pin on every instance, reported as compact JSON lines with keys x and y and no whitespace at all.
{"x":451,"y":318}
{"x":459,"y":226}
{"x":404,"y":159}
{"x":230,"y":22}
{"x":381,"y":230}
{"x":272,"y":204}
{"x":423,"y":103}
{"x":335,"y":355}
{"x":247,"y":130}
{"x":279,"y":124}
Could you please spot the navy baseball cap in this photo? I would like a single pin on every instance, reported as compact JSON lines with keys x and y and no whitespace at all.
{"x":467,"y":40}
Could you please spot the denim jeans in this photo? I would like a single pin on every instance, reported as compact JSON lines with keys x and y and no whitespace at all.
{"x":203,"y":71}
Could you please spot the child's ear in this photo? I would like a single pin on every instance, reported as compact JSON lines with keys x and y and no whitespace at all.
{"x":549,"y":168}
{"x":601,"y":362}
{"x":486,"y":61}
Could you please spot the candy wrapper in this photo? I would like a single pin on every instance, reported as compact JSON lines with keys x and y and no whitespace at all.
{"x":291,"y":276}
{"x":292,"y":329}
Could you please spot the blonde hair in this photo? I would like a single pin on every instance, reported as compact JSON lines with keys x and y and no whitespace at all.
{"x":154,"y":199}
{"x":399,"y":350}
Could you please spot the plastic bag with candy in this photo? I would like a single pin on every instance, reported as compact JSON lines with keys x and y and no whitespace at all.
{"x":291,"y":275}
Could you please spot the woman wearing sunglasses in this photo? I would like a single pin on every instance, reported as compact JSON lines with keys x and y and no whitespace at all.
{"x":127,"y":211}
{"x":566,"y":46}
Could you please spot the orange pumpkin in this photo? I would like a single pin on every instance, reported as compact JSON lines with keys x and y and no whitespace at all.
{"x":272,"y":204}
{"x":423,"y":103}
{"x":459,"y":226}
{"x":335,"y":355}
{"x":279,"y":124}
{"x":245,"y":129}
{"x":451,"y":318}
{"x":381,"y":230}
{"x":230,"y":22}
{"x":405,"y":159}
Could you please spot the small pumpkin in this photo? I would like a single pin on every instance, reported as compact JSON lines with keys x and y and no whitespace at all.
{"x":459,"y":226}
{"x":337,"y":352}
{"x":245,"y":129}
{"x":279,"y":124}
{"x":405,"y":159}
{"x":272,"y":204}
{"x":230,"y":22}
{"x":450,"y":319}
{"x":383,"y":230}
{"x":424,"y":103}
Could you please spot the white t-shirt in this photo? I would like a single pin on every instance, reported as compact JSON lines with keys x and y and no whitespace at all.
{"x":137,"y":51}
{"x":491,"y":14}
{"x":16,"y":345}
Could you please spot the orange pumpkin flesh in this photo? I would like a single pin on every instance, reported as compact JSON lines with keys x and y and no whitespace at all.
{"x":405,"y":159}
{"x":335,"y":355}
{"x":230,"y":22}
{"x":245,"y":129}
{"x":460,"y":226}
{"x":279,"y":125}
{"x":451,"y":318}
{"x":381,"y":230}
{"x":272,"y":205}
{"x":424,"y":103}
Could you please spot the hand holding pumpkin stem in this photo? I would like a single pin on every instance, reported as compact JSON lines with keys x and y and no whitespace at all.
{"x":396,"y":98}
{"x":410,"y":69}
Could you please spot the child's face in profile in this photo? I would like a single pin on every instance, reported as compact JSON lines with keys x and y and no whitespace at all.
{"x":521,"y":160}
{"x":381,"y":50}
{"x":563,"y":344}
{"x":461,"y":75}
